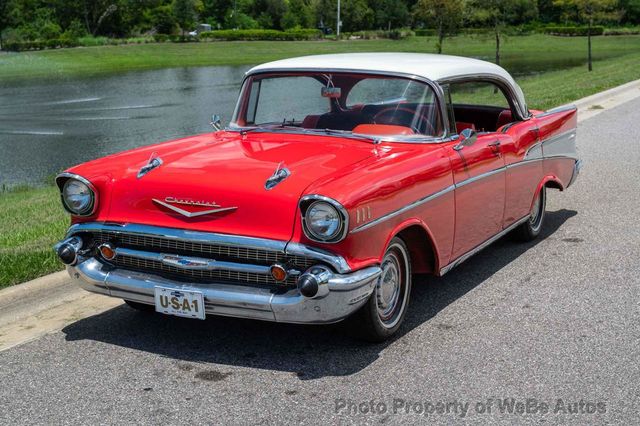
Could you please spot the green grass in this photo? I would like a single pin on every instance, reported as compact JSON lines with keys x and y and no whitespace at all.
{"x":31,"y":221}
{"x":535,"y":52}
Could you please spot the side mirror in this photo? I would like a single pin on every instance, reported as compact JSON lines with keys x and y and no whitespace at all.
{"x":467,"y":138}
{"x":216,"y":122}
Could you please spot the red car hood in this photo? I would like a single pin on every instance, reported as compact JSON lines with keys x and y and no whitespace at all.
{"x":226,"y":170}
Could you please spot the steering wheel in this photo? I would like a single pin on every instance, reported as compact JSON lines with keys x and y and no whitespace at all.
{"x":402,"y":116}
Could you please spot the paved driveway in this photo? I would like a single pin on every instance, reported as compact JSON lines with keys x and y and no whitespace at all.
{"x":554,"y":324}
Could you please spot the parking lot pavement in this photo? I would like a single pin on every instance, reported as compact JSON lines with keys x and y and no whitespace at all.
{"x":554,"y":323}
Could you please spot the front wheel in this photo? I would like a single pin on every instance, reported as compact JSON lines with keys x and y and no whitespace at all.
{"x":530,"y":230}
{"x":385,"y":310}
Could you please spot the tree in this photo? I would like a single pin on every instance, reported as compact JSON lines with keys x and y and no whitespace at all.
{"x":589,"y":11}
{"x":184,"y":12}
{"x":444,"y":15}
{"x":498,"y":13}
{"x":390,"y":13}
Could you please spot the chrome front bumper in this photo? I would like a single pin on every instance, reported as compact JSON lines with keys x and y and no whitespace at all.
{"x":340,"y":295}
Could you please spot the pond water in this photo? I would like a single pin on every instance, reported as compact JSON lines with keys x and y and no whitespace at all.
{"x":48,"y":126}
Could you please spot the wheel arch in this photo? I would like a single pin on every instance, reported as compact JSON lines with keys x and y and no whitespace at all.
{"x":419,"y":240}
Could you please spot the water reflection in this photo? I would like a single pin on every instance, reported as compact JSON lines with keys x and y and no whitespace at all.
{"x":48,"y":126}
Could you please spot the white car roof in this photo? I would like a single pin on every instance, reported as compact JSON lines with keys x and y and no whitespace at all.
{"x":430,"y":66}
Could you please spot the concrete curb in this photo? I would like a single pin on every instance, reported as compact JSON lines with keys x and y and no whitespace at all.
{"x":595,"y":104}
{"x":25,"y":299}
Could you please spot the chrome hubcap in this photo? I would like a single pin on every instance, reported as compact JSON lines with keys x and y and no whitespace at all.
{"x":388,"y":286}
{"x":535,"y":212}
{"x":390,"y":292}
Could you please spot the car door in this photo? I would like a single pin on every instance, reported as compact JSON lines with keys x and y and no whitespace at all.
{"x":478,"y":161}
{"x":479,"y":178}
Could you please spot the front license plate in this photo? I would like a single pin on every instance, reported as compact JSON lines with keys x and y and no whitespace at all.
{"x":181,"y":303}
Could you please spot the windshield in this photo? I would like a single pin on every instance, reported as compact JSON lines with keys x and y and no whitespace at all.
{"x":341,"y":102}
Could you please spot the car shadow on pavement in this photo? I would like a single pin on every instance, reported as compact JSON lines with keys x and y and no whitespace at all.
{"x":309,"y":352}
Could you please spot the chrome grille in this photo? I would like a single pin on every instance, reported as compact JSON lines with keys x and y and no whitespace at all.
{"x":212,"y":251}
{"x":159,"y":244}
{"x":159,"y":268}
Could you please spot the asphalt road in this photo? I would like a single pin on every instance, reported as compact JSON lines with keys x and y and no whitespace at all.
{"x":557,"y":319}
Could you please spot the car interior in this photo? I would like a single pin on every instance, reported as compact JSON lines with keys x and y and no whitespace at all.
{"x":369,"y":105}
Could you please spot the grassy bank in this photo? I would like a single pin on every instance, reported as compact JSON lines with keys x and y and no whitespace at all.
{"x":31,"y":221}
{"x":520,"y":54}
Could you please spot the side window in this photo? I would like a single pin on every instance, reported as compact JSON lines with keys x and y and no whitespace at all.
{"x":479,"y":105}
{"x":479,"y":93}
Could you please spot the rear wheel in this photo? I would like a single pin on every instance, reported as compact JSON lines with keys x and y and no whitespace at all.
{"x":142,"y":307}
{"x":530,"y":230}
{"x":385,"y":310}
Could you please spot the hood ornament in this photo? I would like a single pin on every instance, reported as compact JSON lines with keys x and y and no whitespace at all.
{"x":170,"y":203}
{"x":154,"y":162}
{"x":278,"y":176}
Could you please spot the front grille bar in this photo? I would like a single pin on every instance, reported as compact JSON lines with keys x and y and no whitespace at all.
{"x":197,"y":263}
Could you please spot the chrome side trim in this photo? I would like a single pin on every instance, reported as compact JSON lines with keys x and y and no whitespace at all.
{"x":60,"y":185}
{"x":480,"y":177}
{"x":402,"y":210}
{"x":193,"y":263}
{"x":562,"y":108}
{"x":475,"y":250}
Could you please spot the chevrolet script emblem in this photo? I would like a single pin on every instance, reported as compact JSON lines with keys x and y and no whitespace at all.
{"x":172,"y":202}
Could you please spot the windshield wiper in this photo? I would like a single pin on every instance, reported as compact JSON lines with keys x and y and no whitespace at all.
{"x":346,"y":133}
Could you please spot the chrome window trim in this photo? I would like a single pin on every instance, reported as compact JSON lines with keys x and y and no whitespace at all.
{"x":521,"y":109}
{"x":285,"y":247}
{"x":435,"y":86}
{"x":92,"y":188}
{"x":311,"y":198}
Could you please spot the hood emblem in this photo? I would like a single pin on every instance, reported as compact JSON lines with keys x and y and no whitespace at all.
{"x":170,"y":203}
{"x":154,"y":162}
{"x":278,"y":176}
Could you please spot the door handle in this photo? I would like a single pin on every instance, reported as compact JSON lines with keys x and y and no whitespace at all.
{"x":494,"y":144}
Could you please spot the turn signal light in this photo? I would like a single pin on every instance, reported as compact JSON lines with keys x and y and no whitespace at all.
{"x":107,"y":251}
{"x":278,"y":272}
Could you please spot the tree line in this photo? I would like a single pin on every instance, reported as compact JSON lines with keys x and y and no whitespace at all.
{"x":47,"y":19}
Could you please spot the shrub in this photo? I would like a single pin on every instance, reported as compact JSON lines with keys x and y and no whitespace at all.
{"x":573,"y":31}
{"x":622,"y":31}
{"x":160,"y":38}
{"x":230,"y":35}
{"x":425,"y":32}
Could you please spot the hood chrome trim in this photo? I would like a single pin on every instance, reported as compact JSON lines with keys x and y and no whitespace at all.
{"x":278,"y":176}
{"x":192,"y":214}
{"x":153,"y":163}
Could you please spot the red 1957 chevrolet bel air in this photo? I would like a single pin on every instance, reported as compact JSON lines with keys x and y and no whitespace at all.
{"x":338,"y":177}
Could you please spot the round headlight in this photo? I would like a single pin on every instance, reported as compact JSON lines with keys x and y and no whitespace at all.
{"x":77,"y":197}
{"x":323,"y":221}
